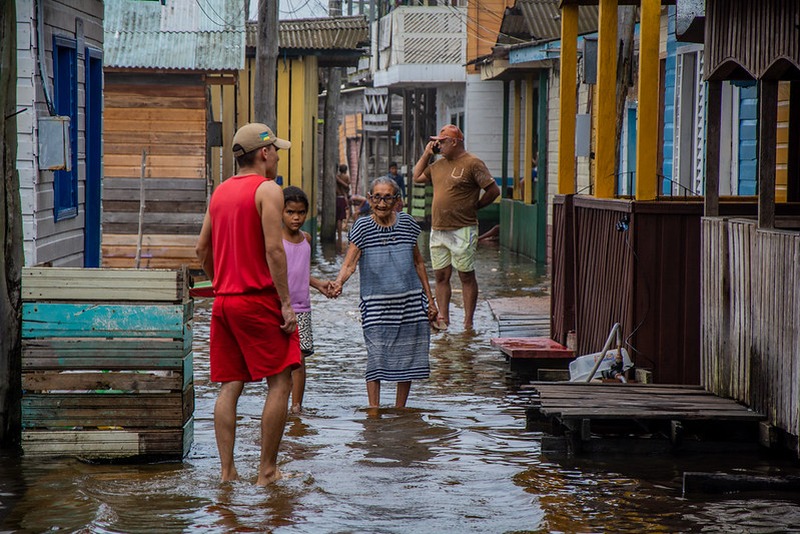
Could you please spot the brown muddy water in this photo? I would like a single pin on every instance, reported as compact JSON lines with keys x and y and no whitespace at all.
{"x":458,"y":460}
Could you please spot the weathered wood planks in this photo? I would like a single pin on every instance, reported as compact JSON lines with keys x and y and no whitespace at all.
{"x":751,"y":318}
{"x":582,"y":413}
{"x":107,"y":363}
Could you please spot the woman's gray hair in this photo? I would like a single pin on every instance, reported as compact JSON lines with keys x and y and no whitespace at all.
{"x":385,"y":180}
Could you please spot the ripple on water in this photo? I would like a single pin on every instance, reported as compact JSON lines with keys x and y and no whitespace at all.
{"x":459,"y":460}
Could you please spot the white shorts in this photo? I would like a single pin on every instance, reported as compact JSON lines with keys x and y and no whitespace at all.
{"x":454,"y":247}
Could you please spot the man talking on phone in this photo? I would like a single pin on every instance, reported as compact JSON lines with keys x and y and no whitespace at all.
{"x":458,"y":179}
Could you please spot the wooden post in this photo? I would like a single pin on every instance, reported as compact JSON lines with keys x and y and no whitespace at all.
{"x":11,"y":257}
{"x":541,"y":168}
{"x":568,"y":100}
{"x":530,"y":129}
{"x":266,"y":62}
{"x":767,"y":137}
{"x":713,"y":116}
{"x":647,"y":116}
{"x":517,"y":136}
{"x":606,"y":99}
{"x":141,"y":211}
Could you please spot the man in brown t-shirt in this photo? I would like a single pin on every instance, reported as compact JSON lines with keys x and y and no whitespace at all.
{"x":458,"y":179}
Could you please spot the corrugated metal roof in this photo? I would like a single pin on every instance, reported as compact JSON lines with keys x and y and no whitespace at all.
{"x":184,"y":34}
{"x":543,"y":18}
{"x":329,"y":33}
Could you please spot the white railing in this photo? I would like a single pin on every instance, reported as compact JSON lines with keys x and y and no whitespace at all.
{"x":419,"y":35}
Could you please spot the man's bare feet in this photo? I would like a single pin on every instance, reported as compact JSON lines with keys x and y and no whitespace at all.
{"x":230,"y":475}
{"x":266,"y":478}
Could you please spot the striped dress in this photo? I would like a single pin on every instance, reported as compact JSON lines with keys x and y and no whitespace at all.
{"x":393,"y":304}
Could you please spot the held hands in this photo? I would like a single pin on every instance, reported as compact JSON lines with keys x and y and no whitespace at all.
{"x":433,"y":311}
{"x":336,"y":289}
{"x":330,"y":289}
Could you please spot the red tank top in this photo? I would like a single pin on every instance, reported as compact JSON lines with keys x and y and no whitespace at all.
{"x":240,"y":262}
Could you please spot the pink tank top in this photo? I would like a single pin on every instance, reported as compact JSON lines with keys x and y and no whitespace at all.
{"x":298,"y":268}
{"x":240,"y":262}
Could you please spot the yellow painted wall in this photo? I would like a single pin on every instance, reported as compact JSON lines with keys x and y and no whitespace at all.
{"x":782,"y":154}
{"x":297,"y":89}
{"x":483,"y":25}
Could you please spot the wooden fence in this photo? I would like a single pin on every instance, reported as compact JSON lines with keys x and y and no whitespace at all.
{"x":751,"y":318}
{"x":106,"y":363}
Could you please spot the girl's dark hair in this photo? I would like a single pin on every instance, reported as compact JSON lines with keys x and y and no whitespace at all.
{"x":294,"y":194}
{"x":342,"y":168}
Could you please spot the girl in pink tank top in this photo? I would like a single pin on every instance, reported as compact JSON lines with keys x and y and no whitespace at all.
{"x":297,"y":245}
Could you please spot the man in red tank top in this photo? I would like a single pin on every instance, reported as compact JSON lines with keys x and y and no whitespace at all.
{"x":253,"y":326}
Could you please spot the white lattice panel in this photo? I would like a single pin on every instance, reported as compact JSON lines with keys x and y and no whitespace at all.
{"x":423,"y":35}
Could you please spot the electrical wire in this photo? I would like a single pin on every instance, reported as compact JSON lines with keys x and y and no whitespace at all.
{"x":220,"y":21}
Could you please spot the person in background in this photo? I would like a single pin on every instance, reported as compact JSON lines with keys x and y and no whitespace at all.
{"x":342,"y":201}
{"x":458,"y":178}
{"x":297,"y":244}
{"x":253,"y":326}
{"x":401,"y":183}
{"x":396,"y":301}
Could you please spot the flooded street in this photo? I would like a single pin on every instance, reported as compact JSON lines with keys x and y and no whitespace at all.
{"x":457,"y":460}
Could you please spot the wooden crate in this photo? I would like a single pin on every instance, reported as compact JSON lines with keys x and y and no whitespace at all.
{"x":106,"y":363}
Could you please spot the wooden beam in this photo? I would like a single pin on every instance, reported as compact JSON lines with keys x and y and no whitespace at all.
{"x":605,"y":155}
{"x":767,"y":138}
{"x":568,"y":101}
{"x":647,"y":115}
{"x":713,"y":117}
{"x":517,"y":136}
{"x":297,"y":113}
{"x":530,"y":129}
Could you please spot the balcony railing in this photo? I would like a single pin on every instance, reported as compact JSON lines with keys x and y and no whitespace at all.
{"x":414,"y":44}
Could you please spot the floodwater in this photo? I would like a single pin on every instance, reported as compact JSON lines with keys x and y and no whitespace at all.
{"x":457,"y":460}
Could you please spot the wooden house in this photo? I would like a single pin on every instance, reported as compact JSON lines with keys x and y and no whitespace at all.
{"x":304,"y":46}
{"x":634,"y":258}
{"x":525,"y":60}
{"x":750,"y":300}
{"x":59,"y":129}
{"x":161,"y":64}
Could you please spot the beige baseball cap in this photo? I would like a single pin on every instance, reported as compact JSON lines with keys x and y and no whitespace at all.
{"x":256,"y":135}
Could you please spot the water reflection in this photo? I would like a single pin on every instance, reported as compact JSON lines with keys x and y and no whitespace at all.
{"x":399,"y":438}
{"x":458,"y":459}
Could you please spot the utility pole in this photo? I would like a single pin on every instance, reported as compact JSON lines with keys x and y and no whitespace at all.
{"x":266,"y":63}
{"x":330,"y":155}
{"x":10,"y":233}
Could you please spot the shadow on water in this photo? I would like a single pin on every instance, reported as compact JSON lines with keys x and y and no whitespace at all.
{"x":457,"y":460}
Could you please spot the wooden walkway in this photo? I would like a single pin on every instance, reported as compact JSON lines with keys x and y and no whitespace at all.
{"x":610,"y":417}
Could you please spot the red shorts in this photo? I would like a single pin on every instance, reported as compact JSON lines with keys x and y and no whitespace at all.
{"x":247,"y":342}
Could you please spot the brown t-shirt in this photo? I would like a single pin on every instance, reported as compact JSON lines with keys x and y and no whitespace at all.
{"x":456,"y":188}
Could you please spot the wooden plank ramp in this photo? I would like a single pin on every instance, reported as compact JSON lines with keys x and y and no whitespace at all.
{"x":638,"y":418}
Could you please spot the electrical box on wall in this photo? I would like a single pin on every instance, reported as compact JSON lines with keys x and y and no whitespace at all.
{"x":583,"y":135}
{"x":54,"y":146}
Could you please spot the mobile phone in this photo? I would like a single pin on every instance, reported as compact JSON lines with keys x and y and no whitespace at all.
{"x":436,"y":147}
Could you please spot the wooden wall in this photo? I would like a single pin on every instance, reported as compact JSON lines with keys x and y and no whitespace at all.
{"x":645,"y":276}
{"x":45,"y":240}
{"x":751,"y":39}
{"x":297,"y":93}
{"x":164,"y":115}
{"x":751,"y":318}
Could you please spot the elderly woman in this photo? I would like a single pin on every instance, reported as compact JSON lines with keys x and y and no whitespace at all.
{"x":396,"y":301}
